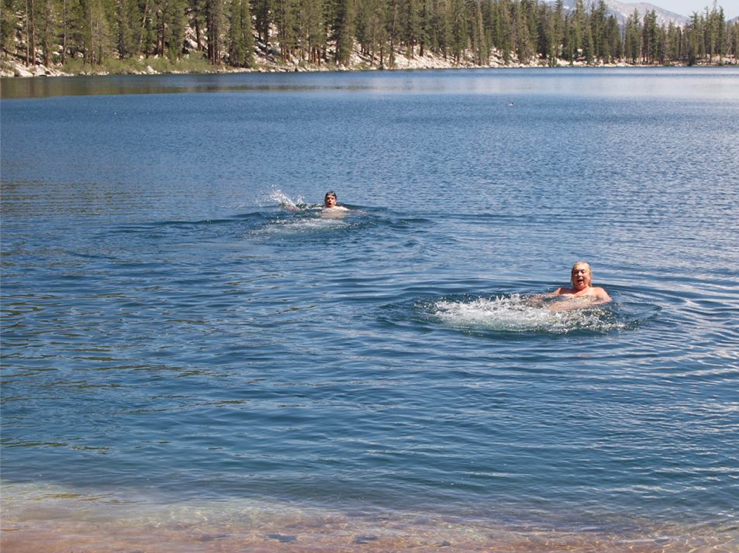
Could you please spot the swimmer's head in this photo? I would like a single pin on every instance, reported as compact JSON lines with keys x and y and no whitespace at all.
{"x":581,"y":276}
{"x":329,"y":199}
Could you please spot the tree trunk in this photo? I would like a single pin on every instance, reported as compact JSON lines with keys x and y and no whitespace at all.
{"x":162,"y":30}
{"x":46,"y":42}
{"x":142,"y":35}
{"x":64,"y":31}
{"x":30,"y":34}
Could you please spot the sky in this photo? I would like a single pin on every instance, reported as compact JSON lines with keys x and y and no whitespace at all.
{"x":687,"y":7}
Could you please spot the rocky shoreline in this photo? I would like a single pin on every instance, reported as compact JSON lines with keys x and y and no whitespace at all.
{"x":269,"y":64}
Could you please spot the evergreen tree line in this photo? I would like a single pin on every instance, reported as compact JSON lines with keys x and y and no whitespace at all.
{"x":328,"y":31}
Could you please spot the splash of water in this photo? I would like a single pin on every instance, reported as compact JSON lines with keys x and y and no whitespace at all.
{"x":286,"y":202}
{"x":299,"y":217}
{"x":516,"y":313}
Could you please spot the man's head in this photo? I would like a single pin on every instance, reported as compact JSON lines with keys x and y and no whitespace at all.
{"x":582,"y":276}
{"x":330,"y":199}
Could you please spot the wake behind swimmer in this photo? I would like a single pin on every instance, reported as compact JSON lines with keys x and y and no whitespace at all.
{"x":516,"y":313}
{"x":579,"y":307}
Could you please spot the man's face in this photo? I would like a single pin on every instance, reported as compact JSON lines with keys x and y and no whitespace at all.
{"x":330,"y":201}
{"x":581,"y":276}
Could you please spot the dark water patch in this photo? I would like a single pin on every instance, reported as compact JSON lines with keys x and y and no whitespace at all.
{"x":40,"y":88}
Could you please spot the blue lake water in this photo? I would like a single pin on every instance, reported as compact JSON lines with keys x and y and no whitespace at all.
{"x":195,"y":354}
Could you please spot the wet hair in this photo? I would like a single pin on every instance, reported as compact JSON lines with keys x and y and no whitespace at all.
{"x":590,"y":270}
{"x":330,"y":193}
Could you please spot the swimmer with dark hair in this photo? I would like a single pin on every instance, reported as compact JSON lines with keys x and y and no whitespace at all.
{"x":330,"y":201}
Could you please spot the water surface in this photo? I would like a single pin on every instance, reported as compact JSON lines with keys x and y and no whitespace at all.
{"x":196,"y":356}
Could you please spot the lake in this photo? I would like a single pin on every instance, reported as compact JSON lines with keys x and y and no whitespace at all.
{"x":196,"y":357}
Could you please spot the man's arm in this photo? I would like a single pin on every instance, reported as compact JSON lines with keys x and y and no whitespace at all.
{"x":601,"y":295}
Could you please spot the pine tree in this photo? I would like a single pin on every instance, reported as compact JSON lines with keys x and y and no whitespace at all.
{"x":196,"y":15}
{"x":262,"y":18}
{"x":545,"y":32}
{"x":559,"y":27}
{"x":424,"y":30}
{"x":343,"y":30}
{"x":477,"y":33}
{"x":361,"y":25}
{"x":240,"y":38}
{"x":410,"y":24}
{"x":649,"y":37}
{"x":579,"y":25}
{"x":312,"y":30}
{"x":8,"y":25}
{"x":504,"y":30}
{"x":632,"y":38}
{"x":122,"y":30}
{"x":214,"y":21}
{"x":488,"y":23}
{"x":170,"y":28}
{"x":378,"y":32}
{"x":286,"y":17}
{"x":443,"y":26}
{"x":598,"y":29}
{"x":391,"y":28}
{"x":459,"y":30}
{"x":733,"y":38}
{"x":521,"y":29}
{"x":30,"y":32}
{"x":719,"y":22}
{"x":530,"y":13}
{"x":614,"y":39}
{"x":693,"y":32}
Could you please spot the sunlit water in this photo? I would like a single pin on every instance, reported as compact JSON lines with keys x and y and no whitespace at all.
{"x":197,"y":356}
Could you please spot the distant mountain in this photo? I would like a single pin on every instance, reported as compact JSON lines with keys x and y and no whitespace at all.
{"x":622,"y":10}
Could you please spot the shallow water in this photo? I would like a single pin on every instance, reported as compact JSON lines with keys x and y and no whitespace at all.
{"x":197,"y":357}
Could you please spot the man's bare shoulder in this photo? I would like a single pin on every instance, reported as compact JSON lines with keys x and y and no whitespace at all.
{"x":600,"y":293}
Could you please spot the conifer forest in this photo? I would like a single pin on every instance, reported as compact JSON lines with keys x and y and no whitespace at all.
{"x":329,"y":33}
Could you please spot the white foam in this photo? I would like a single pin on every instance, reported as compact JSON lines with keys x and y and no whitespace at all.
{"x":517,"y":314}
{"x":309,"y":218}
{"x":304,"y":225}
{"x":284,"y":201}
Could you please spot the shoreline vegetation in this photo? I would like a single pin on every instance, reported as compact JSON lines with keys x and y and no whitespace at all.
{"x":104,"y":37}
